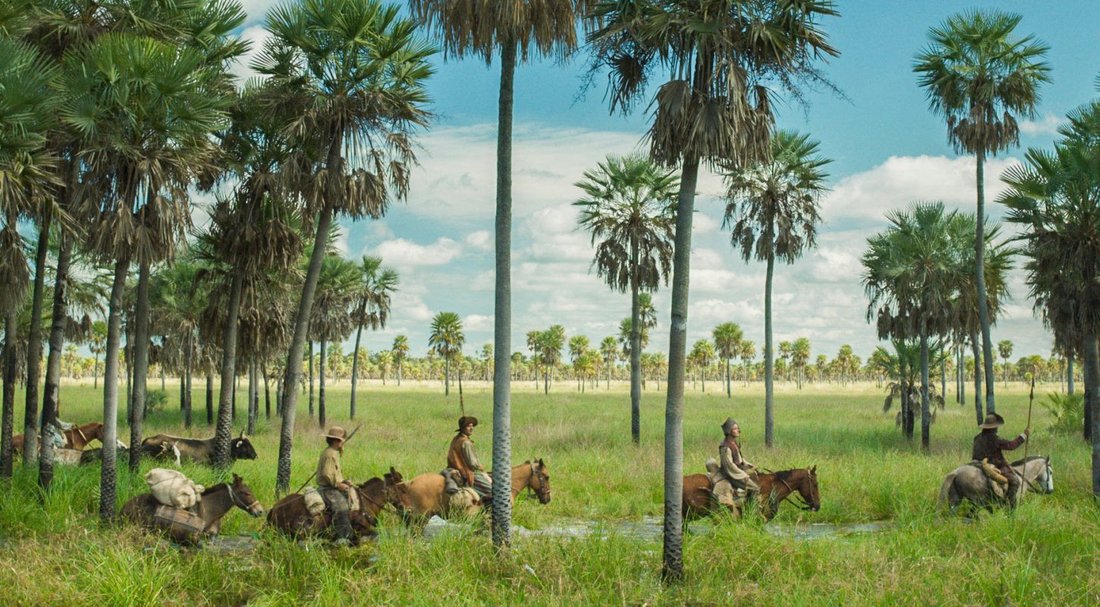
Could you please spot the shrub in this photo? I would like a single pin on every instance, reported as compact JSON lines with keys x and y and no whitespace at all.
{"x":1068,"y":411}
{"x":155,"y":400}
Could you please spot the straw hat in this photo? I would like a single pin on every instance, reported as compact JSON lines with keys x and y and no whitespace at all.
{"x":992,"y":421}
{"x":336,"y":432}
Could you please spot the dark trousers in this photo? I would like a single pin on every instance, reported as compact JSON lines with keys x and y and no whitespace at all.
{"x":337,"y":503}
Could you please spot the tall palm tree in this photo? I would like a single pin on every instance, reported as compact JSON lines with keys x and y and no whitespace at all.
{"x":517,"y":29}
{"x":610,"y":351}
{"x":747,"y":354}
{"x":703,"y":354}
{"x":714,"y":108}
{"x":1054,"y":198}
{"x":772,"y":210}
{"x":727,"y":340}
{"x":1004,"y":348}
{"x":629,"y":206}
{"x":446,"y":340}
{"x":332,"y":317}
{"x":376,"y":286}
{"x":579,"y":346}
{"x":981,"y":78}
{"x":353,"y":71}
{"x":800,"y":355}
{"x":913,"y":271}
{"x":26,"y":171}
{"x":400,"y":353}
{"x":550,"y":343}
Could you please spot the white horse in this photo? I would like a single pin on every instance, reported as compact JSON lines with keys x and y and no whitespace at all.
{"x":969,"y":482}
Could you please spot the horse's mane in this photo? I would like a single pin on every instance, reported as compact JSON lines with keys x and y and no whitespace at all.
{"x":374,"y":480}
{"x":213,"y":488}
{"x":1027,"y":459}
{"x":783,"y":475}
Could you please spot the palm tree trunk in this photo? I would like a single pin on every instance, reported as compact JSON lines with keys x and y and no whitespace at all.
{"x":502,"y":323}
{"x":311,"y":390}
{"x":53,"y":360}
{"x":635,"y":351}
{"x":446,"y":376}
{"x":297,"y":344}
{"x":399,"y":372}
{"x":109,"y":470}
{"x":1091,"y":361}
{"x":1070,"y":387}
{"x":943,"y":374}
{"x":34,"y":347}
{"x":769,"y":357}
{"x":355,"y":367}
{"x":729,"y":390}
{"x":960,"y":370}
{"x":925,"y":401}
{"x":141,"y":364}
{"x":267,"y":392}
{"x":672,"y":568}
{"x":253,"y":398}
{"x":322,"y":416}
{"x":95,"y":370}
{"x":983,"y":306}
{"x":187,"y":409}
{"x":979,"y":413}
{"x":8,"y":416}
{"x":223,"y":431}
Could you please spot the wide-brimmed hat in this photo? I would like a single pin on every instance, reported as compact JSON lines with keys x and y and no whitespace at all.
{"x":336,"y":432}
{"x":466,"y":419}
{"x":727,"y":426}
{"x":992,"y":421}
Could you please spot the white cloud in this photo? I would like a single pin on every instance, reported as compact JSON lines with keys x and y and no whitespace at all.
{"x":256,"y":35}
{"x":477,"y":322}
{"x":257,"y":9}
{"x":1047,"y":125}
{"x":480,"y":240}
{"x":403,"y":253}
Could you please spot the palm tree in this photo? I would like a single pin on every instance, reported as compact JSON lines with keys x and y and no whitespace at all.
{"x":727,"y":340}
{"x":981,"y":80}
{"x":702,"y":353}
{"x":629,"y":208}
{"x":747,"y":354}
{"x":353,"y":71}
{"x":517,"y":29}
{"x":1053,"y":196}
{"x":609,"y":348}
{"x":913,"y":272}
{"x":95,"y":345}
{"x":773,"y":210}
{"x":578,"y":348}
{"x":178,"y":302}
{"x":446,"y":340}
{"x":376,"y":286}
{"x":1004,"y":348}
{"x":331,"y":318}
{"x":400,"y":352}
{"x":550,"y":343}
{"x":800,"y":355}
{"x":715,"y":108}
{"x":26,"y":165}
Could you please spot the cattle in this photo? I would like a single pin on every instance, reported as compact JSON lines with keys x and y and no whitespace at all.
{"x":198,"y":450}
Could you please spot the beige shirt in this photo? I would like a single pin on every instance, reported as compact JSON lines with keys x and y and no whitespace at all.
{"x":729,"y":468}
{"x":471,"y":457}
{"x":328,"y":469}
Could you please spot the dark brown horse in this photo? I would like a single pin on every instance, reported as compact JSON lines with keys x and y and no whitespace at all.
{"x":290,"y":516}
{"x":215,"y":503}
{"x":775,"y":488}
{"x":426,"y":491}
{"x":76,"y":438}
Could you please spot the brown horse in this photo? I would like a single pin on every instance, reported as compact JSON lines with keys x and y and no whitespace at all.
{"x":775,"y":488}
{"x":427,"y":496}
{"x":76,"y":438}
{"x":290,"y":516}
{"x":215,"y":503}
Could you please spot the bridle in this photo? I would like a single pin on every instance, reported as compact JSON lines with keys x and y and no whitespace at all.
{"x":237,"y":502}
{"x":542,"y":489}
{"x":801,"y":504}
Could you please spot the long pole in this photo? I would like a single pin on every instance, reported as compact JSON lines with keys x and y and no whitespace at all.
{"x":1030,"y":402}
{"x":315,"y":472}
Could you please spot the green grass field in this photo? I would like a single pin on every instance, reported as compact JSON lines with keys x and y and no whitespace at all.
{"x":1045,"y":553}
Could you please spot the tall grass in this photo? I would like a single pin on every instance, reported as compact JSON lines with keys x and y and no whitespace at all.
{"x":54,"y":550}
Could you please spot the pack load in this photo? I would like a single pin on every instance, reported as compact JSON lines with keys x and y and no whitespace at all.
{"x":172,"y":488}
{"x":181,"y":525}
{"x":315,"y":504}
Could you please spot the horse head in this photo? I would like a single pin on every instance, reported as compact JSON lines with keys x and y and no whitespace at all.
{"x":244,"y":498}
{"x":242,"y":448}
{"x":807,"y":488}
{"x":1044,"y":474}
{"x":397,"y":492}
{"x":540,"y":481}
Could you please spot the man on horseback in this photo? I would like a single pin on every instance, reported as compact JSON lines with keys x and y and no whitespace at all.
{"x":463,"y":467}
{"x":988,"y":446}
{"x":733,"y":470}
{"x":332,"y":486}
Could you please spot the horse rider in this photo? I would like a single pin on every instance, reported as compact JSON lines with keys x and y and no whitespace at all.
{"x":733,"y":470}
{"x":988,"y":446}
{"x":332,"y":486}
{"x":463,"y":467}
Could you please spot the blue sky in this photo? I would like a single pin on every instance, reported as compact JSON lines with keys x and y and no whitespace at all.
{"x":888,"y":150}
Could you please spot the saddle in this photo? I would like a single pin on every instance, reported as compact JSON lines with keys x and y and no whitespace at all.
{"x":998,"y":482}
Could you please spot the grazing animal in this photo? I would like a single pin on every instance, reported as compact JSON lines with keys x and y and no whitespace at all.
{"x":215,"y":503}
{"x":428,"y":498}
{"x":76,"y":437}
{"x":198,"y":450}
{"x":968,"y":482}
{"x":290,"y":516}
{"x":775,"y":487}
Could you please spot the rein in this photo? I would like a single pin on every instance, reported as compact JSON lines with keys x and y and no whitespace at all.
{"x":233,"y":497}
{"x":801,"y":504}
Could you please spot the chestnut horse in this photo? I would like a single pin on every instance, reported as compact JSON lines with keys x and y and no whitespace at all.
{"x":215,"y":503}
{"x":426,"y":491}
{"x":76,"y":438}
{"x":290,"y":516}
{"x":775,"y":487}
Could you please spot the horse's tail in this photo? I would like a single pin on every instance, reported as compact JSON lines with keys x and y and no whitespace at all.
{"x":946,"y":489}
